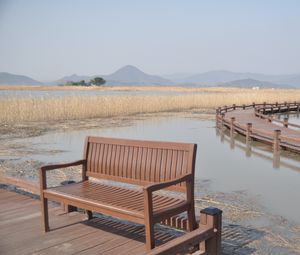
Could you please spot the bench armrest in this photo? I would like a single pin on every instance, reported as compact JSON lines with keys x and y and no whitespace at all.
{"x":44,"y":169}
{"x":162,"y":185}
{"x":57,"y":166}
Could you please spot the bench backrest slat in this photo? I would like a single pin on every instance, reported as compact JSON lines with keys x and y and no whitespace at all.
{"x":138,"y":162}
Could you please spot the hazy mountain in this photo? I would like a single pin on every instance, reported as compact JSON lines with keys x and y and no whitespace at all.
{"x":215,"y":77}
{"x":73,"y":77}
{"x":250,"y":83}
{"x":130,"y":75}
{"x":177,"y":76}
{"x":293,"y":80}
{"x":14,"y":79}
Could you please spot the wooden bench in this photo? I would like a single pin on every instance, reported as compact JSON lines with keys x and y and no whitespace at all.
{"x":151,"y":165}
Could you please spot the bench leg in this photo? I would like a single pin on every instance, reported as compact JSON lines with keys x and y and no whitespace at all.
{"x":89,"y":214}
{"x":192,"y":224}
{"x":149,"y":233}
{"x":45,"y":215}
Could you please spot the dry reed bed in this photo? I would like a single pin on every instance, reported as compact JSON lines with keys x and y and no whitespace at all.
{"x":24,"y":109}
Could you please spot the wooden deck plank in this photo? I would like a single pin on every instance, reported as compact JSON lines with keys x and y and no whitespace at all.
{"x":21,"y":232}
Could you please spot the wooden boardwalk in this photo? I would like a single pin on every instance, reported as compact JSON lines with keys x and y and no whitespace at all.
{"x":254,"y":122}
{"x":21,"y":232}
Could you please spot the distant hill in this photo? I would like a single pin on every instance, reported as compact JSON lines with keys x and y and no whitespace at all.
{"x":14,"y":79}
{"x":250,"y":83}
{"x":125,"y":76}
{"x":293,"y":80}
{"x":130,"y":75}
{"x":73,"y":77}
{"x":215,"y":77}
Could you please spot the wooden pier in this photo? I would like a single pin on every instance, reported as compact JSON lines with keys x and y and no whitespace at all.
{"x":21,"y":233}
{"x":256,"y":122}
{"x":72,"y":233}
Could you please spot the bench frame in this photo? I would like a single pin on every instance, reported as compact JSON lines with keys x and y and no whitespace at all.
{"x":184,"y":182}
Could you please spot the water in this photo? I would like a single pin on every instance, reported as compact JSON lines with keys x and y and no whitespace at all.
{"x":293,"y":117}
{"x":61,"y":93}
{"x":224,"y":161}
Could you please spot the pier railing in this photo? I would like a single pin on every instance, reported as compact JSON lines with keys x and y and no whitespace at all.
{"x":263,"y":111}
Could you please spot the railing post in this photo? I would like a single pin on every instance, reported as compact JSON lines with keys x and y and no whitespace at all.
{"x":264,"y":104}
{"x":233,"y":106}
{"x":244,"y":106}
{"x":232,"y":120}
{"x":222,"y":120}
{"x":276,"y":104}
{"x":253,"y":104}
{"x":248,"y":131}
{"x":276,"y":142}
{"x":225,"y":108}
{"x":212,"y":217}
{"x":286,"y":122}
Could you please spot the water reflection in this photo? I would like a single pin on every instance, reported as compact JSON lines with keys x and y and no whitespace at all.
{"x":253,"y":148}
{"x":292,"y":117}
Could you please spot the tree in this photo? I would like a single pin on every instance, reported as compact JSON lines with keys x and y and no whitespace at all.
{"x":98,"y":81}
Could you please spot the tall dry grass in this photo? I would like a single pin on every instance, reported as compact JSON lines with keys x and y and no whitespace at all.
{"x":23,"y":109}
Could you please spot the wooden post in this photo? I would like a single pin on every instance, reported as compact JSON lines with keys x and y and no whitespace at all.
{"x":233,"y":106}
{"x":244,"y":106}
{"x":225,"y":108}
{"x":212,"y":217}
{"x":276,"y":104}
{"x":253,"y":104}
{"x":276,"y":142}
{"x":265,"y":104}
{"x":232,"y":125}
{"x":276,"y":159}
{"x":222,"y":120}
{"x":286,"y":122}
{"x":285,"y":103}
{"x":248,"y":131}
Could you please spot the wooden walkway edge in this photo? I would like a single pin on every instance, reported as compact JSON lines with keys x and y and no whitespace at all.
{"x":254,"y":122}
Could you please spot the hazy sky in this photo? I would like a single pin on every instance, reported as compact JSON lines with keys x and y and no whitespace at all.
{"x":54,"y":38}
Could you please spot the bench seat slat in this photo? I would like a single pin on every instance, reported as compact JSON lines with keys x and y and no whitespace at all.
{"x":121,"y":198}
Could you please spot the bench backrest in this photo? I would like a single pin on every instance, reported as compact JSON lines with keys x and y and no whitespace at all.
{"x":138,"y":162}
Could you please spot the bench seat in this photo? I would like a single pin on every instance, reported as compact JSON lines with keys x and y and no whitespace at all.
{"x":113,"y":198}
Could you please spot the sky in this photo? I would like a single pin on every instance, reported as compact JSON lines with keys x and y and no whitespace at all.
{"x":47,"y":40}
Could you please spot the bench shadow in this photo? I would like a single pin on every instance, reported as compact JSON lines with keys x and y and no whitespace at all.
{"x":131,"y":230}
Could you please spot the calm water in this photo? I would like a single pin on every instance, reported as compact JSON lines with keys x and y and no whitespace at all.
{"x":60,"y":93}
{"x":293,"y":117}
{"x":225,"y":162}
